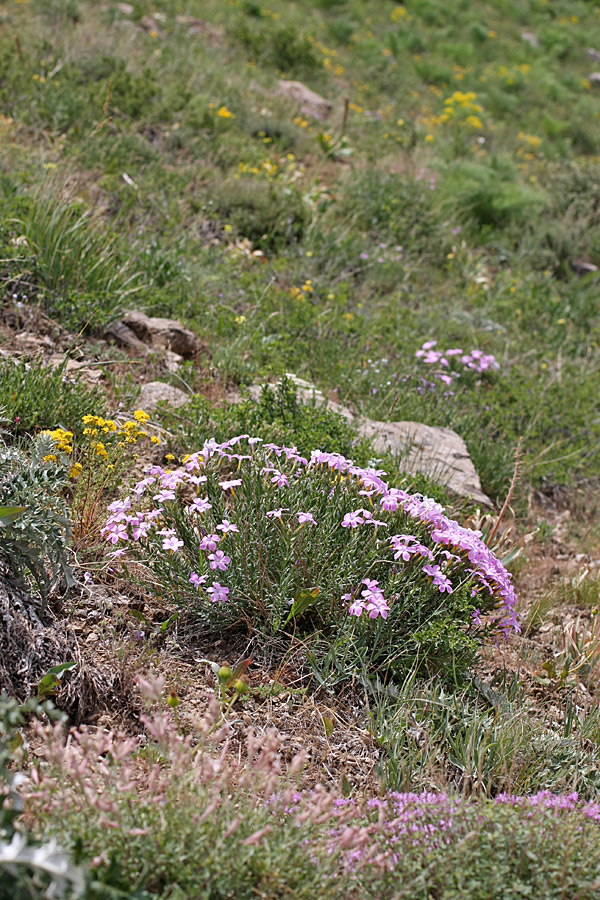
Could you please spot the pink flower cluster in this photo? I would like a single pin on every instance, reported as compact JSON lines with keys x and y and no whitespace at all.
{"x":453,"y":548}
{"x":371,"y":600}
{"x":476,"y":360}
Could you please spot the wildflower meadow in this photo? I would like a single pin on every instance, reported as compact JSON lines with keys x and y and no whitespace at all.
{"x":299,"y":450}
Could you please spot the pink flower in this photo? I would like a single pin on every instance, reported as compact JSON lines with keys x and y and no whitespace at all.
{"x":230,"y":485}
{"x":163,"y":496}
{"x":116,"y":553}
{"x":140,"y":530}
{"x":218,"y":560}
{"x":200,"y":505}
{"x":172,"y":543}
{"x":226,"y":526}
{"x":197,"y":580}
{"x":218,"y":593}
{"x":116,"y":532}
{"x":275,"y":513}
{"x":352,"y":520}
{"x":304,"y":517}
{"x":210,"y":541}
{"x":197,"y":479}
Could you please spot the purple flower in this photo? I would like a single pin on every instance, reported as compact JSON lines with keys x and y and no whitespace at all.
{"x":172,"y":543}
{"x":197,"y":580}
{"x":210,"y":541}
{"x":230,"y":485}
{"x":226,"y":526}
{"x":352,"y":520}
{"x":304,"y":517}
{"x":279,"y":478}
{"x":200,"y":505}
{"x":197,"y":479}
{"x":115,"y":554}
{"x":219,"y":560}
{"x":275,"y":513}
{"x":116,"y":532}
{"x":164,"y":495}
{"x":440,"y":581}
{"x":218,"y":593}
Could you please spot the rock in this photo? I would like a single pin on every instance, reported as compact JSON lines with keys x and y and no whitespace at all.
{"x":168,"y":334}
{"x":594,"y":55}
{"x":439,"y":453}
{"x":594,"y":78}
{"x":196,"y":26}
{"x":530,"y":38}
{"x":125,"y":337}
{"x":311,"y":103}
{"x":581,"y":267}
{"x":149,"y":24}
{"x":155,"y":392}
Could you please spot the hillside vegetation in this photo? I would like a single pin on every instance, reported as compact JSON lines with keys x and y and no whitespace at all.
{"x":295,"y":671}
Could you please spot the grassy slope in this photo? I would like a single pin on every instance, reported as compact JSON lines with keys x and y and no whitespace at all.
{"x":489,"y":205}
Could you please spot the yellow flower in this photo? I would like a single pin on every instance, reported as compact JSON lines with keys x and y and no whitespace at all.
{"x":50,"y":458}
{"x":429,"y":138}
{"x":154,"y":439}
{"x":224,"y":113}
{"x":169,"y":457}
{"x":76,"y":471}
{"x":141,"y":416}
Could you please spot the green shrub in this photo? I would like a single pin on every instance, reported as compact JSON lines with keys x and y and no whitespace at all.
{"x":230,"y":825}
{"x":478,"y":740}
{"x":34,"y":395}
{"x":489,"y":195}
{"x":33,"y":541}
{"x":393,"y":208}
{"x":280,"y":46}
{"x":72,"y":254}
{"x":261,"y":211}
{"x":277,"y":415}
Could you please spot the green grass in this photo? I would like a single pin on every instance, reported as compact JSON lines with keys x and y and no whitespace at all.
{"x":490,"y":197}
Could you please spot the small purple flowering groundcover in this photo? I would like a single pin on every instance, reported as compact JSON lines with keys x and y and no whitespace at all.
{"x":197,"y":795}
{"x":242,"y":529}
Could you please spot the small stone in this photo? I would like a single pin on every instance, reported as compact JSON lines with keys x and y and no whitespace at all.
{"x":169,"y":334}
{"x":150,"y":25}
{"x":311,"y":103}
{"x":594,"y":55}
{"x":594,"y":78}
{"x":582,"y":267}
{"x":155,"y":392}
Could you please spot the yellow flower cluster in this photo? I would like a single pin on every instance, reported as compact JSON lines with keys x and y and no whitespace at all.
{"x":307,"y":288}
{"x":399,"y":13}
{"x":128,"y":433}
{"x":63,"y":440}
{"x":222,"y":112}
{"x":510,"y":74}
{"x":530,"y":140}
{"x":460,"y":107}
{"x":286,"y":168}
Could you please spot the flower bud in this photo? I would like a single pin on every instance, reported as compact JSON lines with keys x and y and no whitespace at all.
{"x":225,"y":674}
{"x":240,"y":687}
